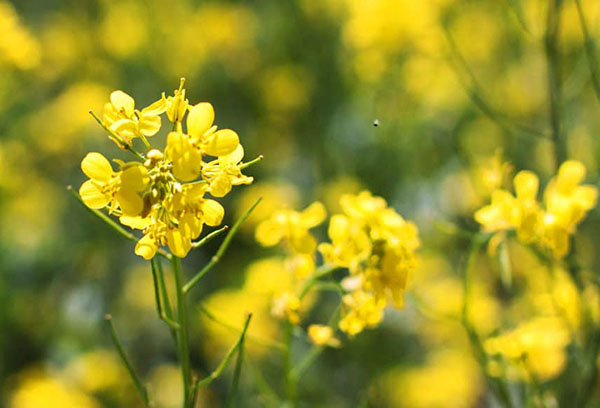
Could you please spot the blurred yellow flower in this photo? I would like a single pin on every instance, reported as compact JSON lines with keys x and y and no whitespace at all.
{"x":322,"y":335}
{"x":18,"y":47}
{"x":377,"y":246}
{"x":535,"y":347}
{"x":39,"y":390}
{"x":566,"y":203}
{"x":293,"y":228}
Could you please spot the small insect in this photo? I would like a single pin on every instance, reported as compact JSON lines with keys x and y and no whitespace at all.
{"x":376,"y":123}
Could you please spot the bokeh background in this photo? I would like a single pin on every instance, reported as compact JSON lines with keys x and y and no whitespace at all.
{"x":449,"y":84}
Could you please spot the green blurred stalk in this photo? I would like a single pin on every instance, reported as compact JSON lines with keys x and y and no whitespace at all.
{"x":182,"y":334}
{"x":554,"y":79}
{"x":590,"y":48}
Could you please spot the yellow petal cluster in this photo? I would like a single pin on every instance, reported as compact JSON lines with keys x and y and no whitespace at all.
{"x":537,"y":346}
{"x":292,"y":227}
{"x":378,"y":247}
{"x":565,"y":204}
{"x":322,"y":335}
{"x":165,"y":195}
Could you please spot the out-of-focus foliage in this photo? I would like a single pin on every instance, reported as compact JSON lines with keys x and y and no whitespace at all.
{"x":431,"y":104}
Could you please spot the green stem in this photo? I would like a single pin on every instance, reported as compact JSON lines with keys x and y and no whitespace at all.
{"x":238,"y":366}
{"x":590,"y":48}
{"x":136,"y":380}
{"x":182,"y":334}
{"x":554,"y":83}
{"x":288,"y":357}
{"x":473,"y":90}
{"x":209,"y":237}
{"x":217,"y":257}
{"x":499,"y":386}
{"x":111,"y":223}
{"x":251,"y":162}
{"x":165,"y":295}
{"x":256,"y":340}
{"x":320,"y":272}
{"x":225,"y":362}
{"x":157,"y":297}
{"x":117,"y":138}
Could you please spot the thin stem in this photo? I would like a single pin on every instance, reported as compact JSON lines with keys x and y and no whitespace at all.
{"x":288,"y":362}
{"x":165,"y":295}
{"x":225,"y":362}
{"x":217,"y":257}
{"x":251,"y":162}
{"x":554,"y":83}
{"x":122,"y":143}
{"x":499,"y":386}
{"x":238,"y":365}
{"x":182,"y":334}
{"x":256,"y":340}
{"x":209,"y":237}
{"x":322,"y":271}
{"x":473,"y":90}
{"x":157,"y":297}
{"x":590,"y":48}
{"x":316,"y":350}
{"x":136,"y":380}
{"x":111,"y":223}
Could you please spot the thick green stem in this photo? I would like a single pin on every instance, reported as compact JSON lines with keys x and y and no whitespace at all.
{"x":182,"y":334}
{"x":157,"y":298}
{"x":554,"y":79}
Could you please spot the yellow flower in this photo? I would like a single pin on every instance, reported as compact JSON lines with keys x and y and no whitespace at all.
{"x":165,"y":195}
{"x":225,"y":172}
{"x":119,"y":189}
{"x":539,"y":344}
{"x":359,"y":310}
{"x":322,"y":335}
{"x":287,"y":306}
{"x":378,"y":247}
{"x":121,"y":117}
{"x":206,"y":136}
{"x":509,"y":212}
{"x":176,"y":105}
{"x":293,"y":228}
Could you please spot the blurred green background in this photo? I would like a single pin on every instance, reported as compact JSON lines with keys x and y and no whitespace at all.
{"x":449,"y":82}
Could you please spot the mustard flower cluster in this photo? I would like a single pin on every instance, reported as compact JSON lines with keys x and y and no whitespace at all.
{"x":373,"y":242}
{"x":164,"y":193}
{"x":292,"y":229}
{"x":549,"y":224}
{"x":378,"y":247}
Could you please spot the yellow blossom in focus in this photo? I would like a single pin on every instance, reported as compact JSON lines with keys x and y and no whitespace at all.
{"x":322,"y":335}
{"x":165,"y":194}
{"x":121,"y":117}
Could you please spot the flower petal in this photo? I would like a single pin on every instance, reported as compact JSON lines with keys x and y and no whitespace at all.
{"x":200,"y":119}
{"x":97,"y":167}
